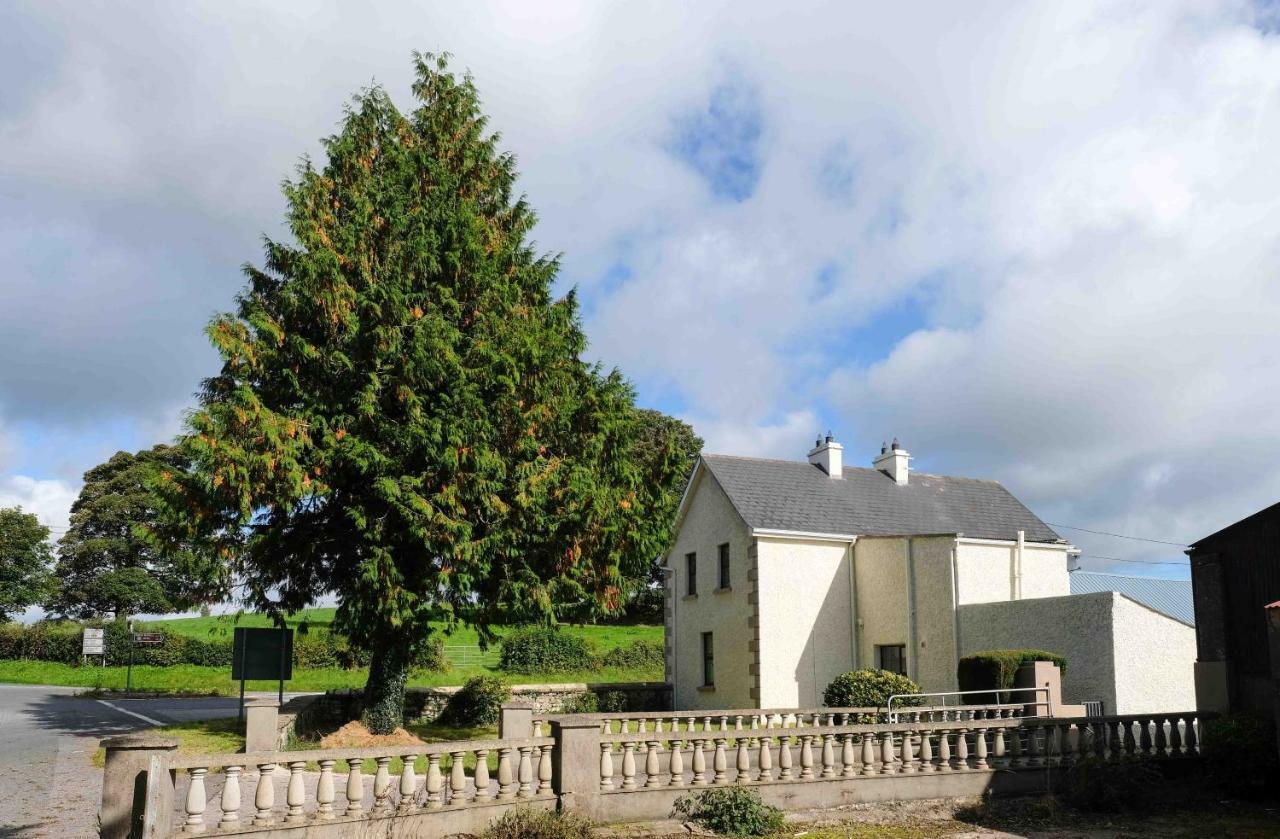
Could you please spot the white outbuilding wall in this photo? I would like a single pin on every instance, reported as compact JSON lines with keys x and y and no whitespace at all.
{"x":1134,"y":659}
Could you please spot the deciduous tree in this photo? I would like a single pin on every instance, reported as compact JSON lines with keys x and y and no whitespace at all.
{"x":403,"y":417}
{"x":25,"y":556}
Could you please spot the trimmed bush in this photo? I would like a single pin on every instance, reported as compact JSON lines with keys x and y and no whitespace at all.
{"x":732,"y":811}
{"x":582,"y":703}
{"x":869,"y":689}
{"x":995,"y":669}
{"x":528,"y":823}
{"x":545,"y":649}
{"x":614,"y":701}
{"x":477,"y":703}
{"x":638,"y":655}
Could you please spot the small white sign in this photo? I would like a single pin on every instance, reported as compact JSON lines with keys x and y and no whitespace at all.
{"x":93,"y":643}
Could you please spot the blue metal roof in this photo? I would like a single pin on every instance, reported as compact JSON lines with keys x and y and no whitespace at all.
{"x":1172,"y":597}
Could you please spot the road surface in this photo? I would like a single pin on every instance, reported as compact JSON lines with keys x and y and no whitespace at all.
{"x":48,"y":785}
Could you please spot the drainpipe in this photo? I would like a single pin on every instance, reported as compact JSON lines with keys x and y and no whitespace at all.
{"x":853,"y":606}
{"x":1017,"y":565}
{"x":912,"y":666}
{"x":955,"y":608}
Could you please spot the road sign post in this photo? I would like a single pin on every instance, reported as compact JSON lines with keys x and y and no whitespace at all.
{"x":139,"y":639}
{"x":93,"y":643}
{"x":261,"y":653}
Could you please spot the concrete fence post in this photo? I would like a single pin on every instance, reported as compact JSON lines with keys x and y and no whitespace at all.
{"x":516,"y":720}
{"x":261,"y":724}
{"x":576,"y":758}
{"x":137,"y":787}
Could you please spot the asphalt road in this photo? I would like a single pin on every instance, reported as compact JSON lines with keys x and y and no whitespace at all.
{"x":48,"y":785}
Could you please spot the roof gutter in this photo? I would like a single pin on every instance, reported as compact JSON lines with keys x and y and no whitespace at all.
{"x":767,"y":533}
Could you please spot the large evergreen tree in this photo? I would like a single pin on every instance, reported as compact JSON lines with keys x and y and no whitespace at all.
{"x":107,"y":565}
{"x":25,"y":556}
{"x":403,"y":417}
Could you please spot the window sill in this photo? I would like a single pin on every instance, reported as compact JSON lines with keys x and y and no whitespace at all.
{"x":723,"y":590}
{"x":706,"y":688}
{"x":690,"y":597}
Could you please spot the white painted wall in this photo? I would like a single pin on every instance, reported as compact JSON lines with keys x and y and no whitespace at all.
{"x":806,"y":630}
{"x":1134,"y":659}
{"x":934,"y":668}
{"x":709,"y":521}
{"x":881,"y":565}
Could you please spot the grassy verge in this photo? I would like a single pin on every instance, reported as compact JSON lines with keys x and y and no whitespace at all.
{"x":217,"y":737}
{"x":217,"y":680}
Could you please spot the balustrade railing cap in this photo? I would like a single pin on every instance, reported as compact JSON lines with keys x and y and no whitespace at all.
{"x":140,"y":741}
{"x":578,"y":720}
{"x":261,"y":702}
{"x":520,"y":704}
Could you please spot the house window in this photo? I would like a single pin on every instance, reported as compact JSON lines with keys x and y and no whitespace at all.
{"x":708,"y":661}
{"x":892,"y":657}
{"x":691,"y":572}
{"x":724,"y":565}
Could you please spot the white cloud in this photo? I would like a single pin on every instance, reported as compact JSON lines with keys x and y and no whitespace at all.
{"x":49,"y":500}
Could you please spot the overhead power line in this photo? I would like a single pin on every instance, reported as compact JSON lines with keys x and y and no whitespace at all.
{"x":1136,"y":561}
{"x":1118,"y":535}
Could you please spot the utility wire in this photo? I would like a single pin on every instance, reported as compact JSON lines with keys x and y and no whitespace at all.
{"x":1118,"y":535}
{"x":1137,"y":561}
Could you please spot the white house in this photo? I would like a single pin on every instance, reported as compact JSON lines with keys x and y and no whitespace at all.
{"x":784,"y":574}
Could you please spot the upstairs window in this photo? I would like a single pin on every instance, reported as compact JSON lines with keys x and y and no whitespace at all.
{"x":691,"y":574}
{"x":708,"y":661}
{"x":724,"y":565}
{"x":892,"y":657}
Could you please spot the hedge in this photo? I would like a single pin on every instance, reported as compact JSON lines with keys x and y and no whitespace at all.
{"x":545,"y":649}
{"x":869,"y":689}
{"x":45,"y":642}
{"x":995,"y":669}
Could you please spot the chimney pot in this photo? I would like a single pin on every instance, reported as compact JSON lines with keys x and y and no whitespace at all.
{"x":894,"y":462}
{"x":828,"y":455}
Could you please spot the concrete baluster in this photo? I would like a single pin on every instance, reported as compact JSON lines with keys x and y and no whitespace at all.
{"x":355,"y":787}
{"x":926,"y":751}
{"x":828,"y":756}
{"x":230,"y":797}
{"x":1016,"y":760}
{"x":1161,"y":742}
{"x":868,"y":754}
{"x":907,"y":749}
{"x":848,"y":757}
{"x":962,"y":750}
{"x":806,"y":757}
{"x":506,"y":775}
{"x":1145,"y":731}
{"x":628,"y":765}
{"x":886,"y":754}
{"x":676,"y":764}
{"x":606,"y":765}
{"x":980,"y":749}
{"x":651,"y":767}
{"x":325,"y":794}
{"x":720,"y":763}
{"x":743,"y":763}
{"x":544,"y":771}
{"x":457,"y":777}
{"x":382,"y":785}
{"x":1192,"y":737}
{"x":765,"y":761}
{"x":295,"y":794}
{"x":784,"y":758}
{"x":408,"y":782}
{"x":724,"y":723}
{"x":999,"y":757}
{"x":526,"y":773}
{"x":196,"y":801}
{"x":944,"y":751}
{"x":1175,"y":736}
{"x":265,"y":796}
{"x":481,"y":778}
{"x":699,"y":763}
{"x":435,"y":783}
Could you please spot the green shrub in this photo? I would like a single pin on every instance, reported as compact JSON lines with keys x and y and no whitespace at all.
{"x":638,"y":655}
{"x":995,"y":669}
{"x":545,"y":649}
{"x":528,"y":823}
{"x":734,"y":811}
{"x":431,"y":657}
{"x":1101,"y":786}
{"x":1239,"y":752}
{"x":581,"y":703}
{"x":477,"y":703}
{"x":613,"y":701}
{"x":869,"y":689}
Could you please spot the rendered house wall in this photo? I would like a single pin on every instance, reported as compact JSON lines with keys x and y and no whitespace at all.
{"x":1155,"y":660}
{"x":710,"y":520}
{"x":806,"y":630}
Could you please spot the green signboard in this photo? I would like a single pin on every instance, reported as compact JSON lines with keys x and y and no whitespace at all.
{"x":262,"y":654}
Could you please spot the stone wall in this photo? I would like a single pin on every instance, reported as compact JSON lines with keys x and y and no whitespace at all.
{"x":333,"y":709}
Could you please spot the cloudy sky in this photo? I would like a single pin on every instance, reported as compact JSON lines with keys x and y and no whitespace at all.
{"x":1036,"y":242}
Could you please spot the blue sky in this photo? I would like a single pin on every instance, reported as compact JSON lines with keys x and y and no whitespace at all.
{"x":1036,"y":243}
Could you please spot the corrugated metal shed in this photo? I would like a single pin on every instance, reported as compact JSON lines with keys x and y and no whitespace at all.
{"x":1172,"y":597}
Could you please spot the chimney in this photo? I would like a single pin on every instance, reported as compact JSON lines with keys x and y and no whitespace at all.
{"x":893,"y":462}
{"x":828,"y":455}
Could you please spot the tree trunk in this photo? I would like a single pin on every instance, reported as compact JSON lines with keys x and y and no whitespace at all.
{"x":384,"y":691}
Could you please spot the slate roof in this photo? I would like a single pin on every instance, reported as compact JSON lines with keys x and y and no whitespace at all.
{"x":796,"y":495}
{"x":1171,"y":597}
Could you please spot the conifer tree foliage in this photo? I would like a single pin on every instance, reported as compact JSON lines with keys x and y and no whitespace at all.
{"x":25,"y":556}
{"x":403,"y":417}
{"x":107,"y":563}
